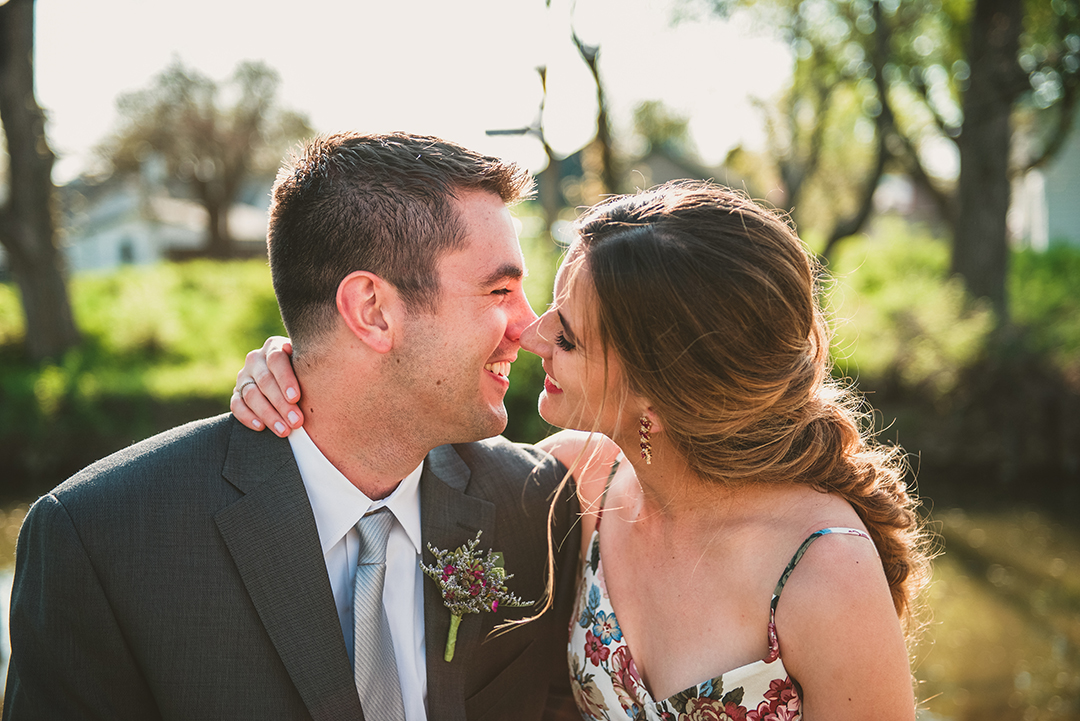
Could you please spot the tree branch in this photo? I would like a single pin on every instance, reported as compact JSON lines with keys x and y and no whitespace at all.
{"x":591,"y":56}
{"x":884,"y":125}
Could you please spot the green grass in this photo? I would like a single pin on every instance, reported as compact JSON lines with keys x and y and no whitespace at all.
{"x":166,"y":331}
{"x":162,"y":345}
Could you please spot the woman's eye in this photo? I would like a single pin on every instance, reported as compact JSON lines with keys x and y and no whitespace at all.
{"x":560,"y":340}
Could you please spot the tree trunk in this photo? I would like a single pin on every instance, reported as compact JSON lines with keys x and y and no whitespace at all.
{"x":26,"y":221}
{"x":218,"y":239}
{"x":550,"y":194}
{"x":980,"y":245}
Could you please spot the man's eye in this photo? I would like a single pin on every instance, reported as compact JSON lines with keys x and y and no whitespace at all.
{"x":562,"y":342}
{"x":502,"y":291}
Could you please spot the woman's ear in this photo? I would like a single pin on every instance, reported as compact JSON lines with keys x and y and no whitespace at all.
{"x":367,"y":305}
{"x":657,"y":426}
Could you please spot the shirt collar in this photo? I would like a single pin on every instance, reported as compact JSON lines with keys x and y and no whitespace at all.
{"x":338,"y":504}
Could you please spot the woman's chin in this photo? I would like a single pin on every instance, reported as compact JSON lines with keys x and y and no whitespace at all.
{"x":549,"y":418}
{"x":551,"y":415}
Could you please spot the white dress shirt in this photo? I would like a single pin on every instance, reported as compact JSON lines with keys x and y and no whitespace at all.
{"x":338,"y":506}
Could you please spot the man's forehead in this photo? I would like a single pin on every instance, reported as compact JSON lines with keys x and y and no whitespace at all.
{"x":486,"y":262}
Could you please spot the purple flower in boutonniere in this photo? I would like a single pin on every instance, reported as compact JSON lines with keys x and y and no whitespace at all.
{"x":470,"y":582}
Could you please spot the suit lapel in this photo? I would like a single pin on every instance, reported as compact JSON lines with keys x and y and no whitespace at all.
{"x":272,"y":537}
{"x":449,"y":518}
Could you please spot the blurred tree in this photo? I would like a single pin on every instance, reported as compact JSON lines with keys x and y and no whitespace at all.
{"x":600,"y":151}
{"x":27,"y":231}
{"x":660,"y":127}
{"x":992,"y":82}
{"x":210,"y":136}
{"x":607,"y":171}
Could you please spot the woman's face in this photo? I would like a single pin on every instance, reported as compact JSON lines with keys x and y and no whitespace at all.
{"x":581,"y":391}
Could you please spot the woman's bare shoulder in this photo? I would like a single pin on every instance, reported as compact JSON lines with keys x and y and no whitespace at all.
{"x":840,"y":635}
{"x":589,"y":456}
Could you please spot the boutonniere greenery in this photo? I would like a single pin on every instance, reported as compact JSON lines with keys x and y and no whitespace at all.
{"x":470,"y":582}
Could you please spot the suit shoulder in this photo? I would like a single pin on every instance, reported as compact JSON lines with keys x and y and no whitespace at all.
{"x":192,"y":445}
{"x":503,"y":455}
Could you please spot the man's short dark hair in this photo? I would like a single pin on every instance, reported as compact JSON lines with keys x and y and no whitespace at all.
{"x":380,"y":203}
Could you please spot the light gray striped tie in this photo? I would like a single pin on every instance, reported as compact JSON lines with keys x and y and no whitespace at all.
{"x":374,"y":664}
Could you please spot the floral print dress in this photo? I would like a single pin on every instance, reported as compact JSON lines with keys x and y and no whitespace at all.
{"x":607,"y":686}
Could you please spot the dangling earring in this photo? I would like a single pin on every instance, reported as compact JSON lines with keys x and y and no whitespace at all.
{"x":646,"y":444}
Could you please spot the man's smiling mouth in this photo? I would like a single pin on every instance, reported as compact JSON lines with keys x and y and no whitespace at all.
{"x":501,"y":368}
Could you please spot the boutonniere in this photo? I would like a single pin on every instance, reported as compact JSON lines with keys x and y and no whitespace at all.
{"x":470,"y":582}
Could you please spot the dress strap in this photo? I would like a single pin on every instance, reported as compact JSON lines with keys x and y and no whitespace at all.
{"x":607,"y":485}
{"x":802,"y":550}
{"x":774,"y":644}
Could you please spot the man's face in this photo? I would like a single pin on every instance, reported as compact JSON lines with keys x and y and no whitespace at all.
{"x":456,"y":360}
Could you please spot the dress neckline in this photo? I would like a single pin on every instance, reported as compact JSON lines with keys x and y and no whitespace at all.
{"x":773,"y":656}
{"x":727,"y":678}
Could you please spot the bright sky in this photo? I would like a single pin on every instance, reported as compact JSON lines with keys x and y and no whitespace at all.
{"x":453,"y":69}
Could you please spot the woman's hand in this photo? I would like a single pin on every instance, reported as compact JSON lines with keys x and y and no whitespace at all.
{"x":267,"y":392}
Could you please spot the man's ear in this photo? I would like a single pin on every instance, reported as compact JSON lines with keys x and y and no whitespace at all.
{"x":367,"y":304}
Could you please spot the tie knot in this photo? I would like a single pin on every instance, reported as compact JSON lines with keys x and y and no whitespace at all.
{"x":374,"y":529}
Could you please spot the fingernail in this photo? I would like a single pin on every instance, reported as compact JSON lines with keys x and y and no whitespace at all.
{"x":293,"y":418}
{"x":257,"y":424}
{"x":290,"y":393}
{"x":279,"y":427}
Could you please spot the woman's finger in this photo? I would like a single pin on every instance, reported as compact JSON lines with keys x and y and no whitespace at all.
{"x":244,"y":414}
{"x":258,"y":399}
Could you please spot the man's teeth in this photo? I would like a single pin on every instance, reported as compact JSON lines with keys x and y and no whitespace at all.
{"x":499,"y":369}
{"x":554,"y":383}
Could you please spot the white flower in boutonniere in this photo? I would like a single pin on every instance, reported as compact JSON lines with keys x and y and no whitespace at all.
{"x":470,"y":583}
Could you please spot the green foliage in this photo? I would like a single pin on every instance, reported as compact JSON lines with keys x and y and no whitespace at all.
{"x":162,"y":346}
{"x":899,"y":317}
{"x":659,"y":127}
{"x":897,"y":71}
{"x":209,"y":133}
{"x":1044,"y":298}
{"x":184,"y":324}
{"x":11,"y":316}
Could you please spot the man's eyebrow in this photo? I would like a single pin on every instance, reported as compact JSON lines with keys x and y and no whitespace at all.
{"x":509,"y":271}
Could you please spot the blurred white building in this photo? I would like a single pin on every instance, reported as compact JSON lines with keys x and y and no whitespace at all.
{"x":124,"y":222}
{"x":1046,"y":202}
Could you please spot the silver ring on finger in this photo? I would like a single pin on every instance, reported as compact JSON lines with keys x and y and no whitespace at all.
{"x":245,"y":384}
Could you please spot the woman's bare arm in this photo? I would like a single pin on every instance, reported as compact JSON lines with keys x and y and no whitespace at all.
{"x":840,"y":637}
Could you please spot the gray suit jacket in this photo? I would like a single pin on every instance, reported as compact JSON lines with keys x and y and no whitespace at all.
{"x":182,"y":578}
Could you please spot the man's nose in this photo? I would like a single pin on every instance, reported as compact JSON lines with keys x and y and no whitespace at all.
{"x":522,"y":317}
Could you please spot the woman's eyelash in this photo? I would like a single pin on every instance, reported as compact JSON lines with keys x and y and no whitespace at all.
{"x":560,"y":340}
